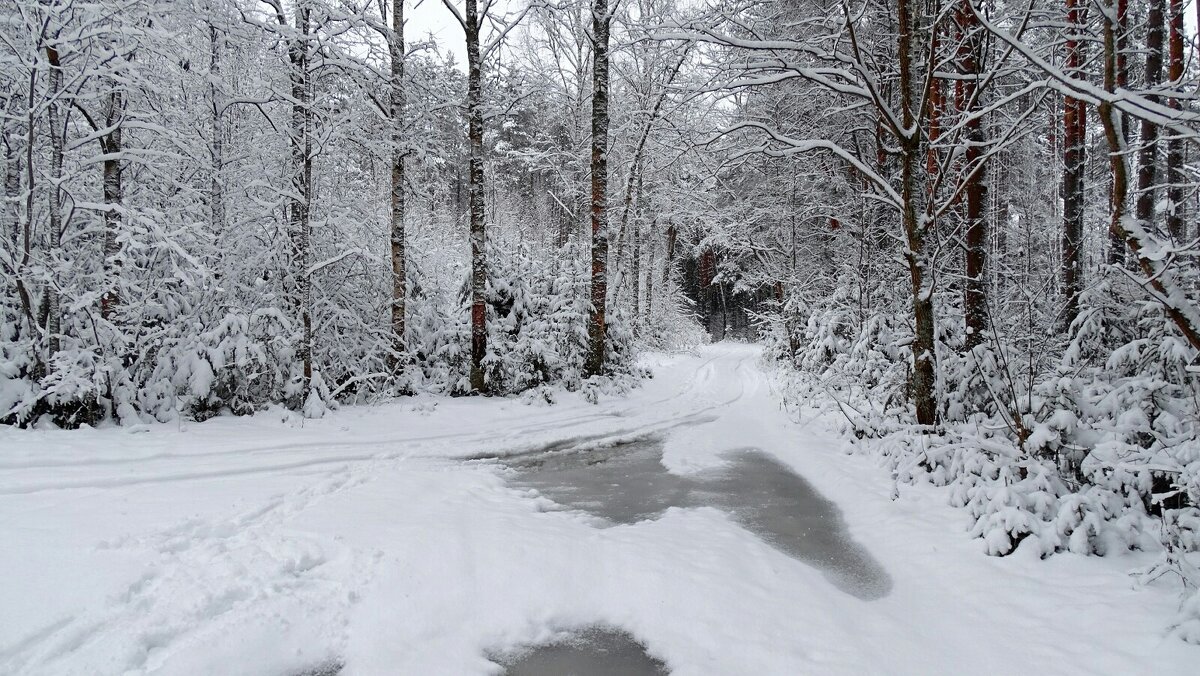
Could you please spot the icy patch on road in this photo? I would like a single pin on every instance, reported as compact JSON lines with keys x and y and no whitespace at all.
{"x":770,"y":500}
{"x":594,"y":652}
{"x":627,"y":484}
{"x":623,"y":484}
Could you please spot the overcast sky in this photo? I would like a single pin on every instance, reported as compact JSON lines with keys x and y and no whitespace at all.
{"x":426,"y":17}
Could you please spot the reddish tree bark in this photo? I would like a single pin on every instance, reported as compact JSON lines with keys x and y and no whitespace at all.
{"x":1175,"y":173}
{"x":1074,"y":137}
{"x":975,"y":301}
{"x":1147,"y":176}
{"x":1116,"y":245}
{"x":936,"y":106}
{"x":597,"y":326}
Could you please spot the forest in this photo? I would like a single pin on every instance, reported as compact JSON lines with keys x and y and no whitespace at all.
{"x":964,"y":231}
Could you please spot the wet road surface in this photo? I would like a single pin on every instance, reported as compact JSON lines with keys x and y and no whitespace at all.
{"x":628,"y":483}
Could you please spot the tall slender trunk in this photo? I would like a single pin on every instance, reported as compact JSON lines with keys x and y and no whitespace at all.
{"x":300,"y":208}
{"x":1074,"y":133}
{"x":17,"y":258}
{"x":1147,"y":177}
{"x":935,"y":107}
{"x":399,"y":281}
{"x":478,"y":232}
{"x":923,"y":383}
{"x":1175,"y":174}
{"x":112,"y":146}
{"x":216,"y":188}
{"x":669,"y":261}
{"x":651,"y":251}
{"x":597,"y":326}
{"x":12,"y":194}
{"x":1116,"y":246}
{"x":975,"y":301}
{"x":54,"y":113}
{"x":27,"y":221}
{"x":622,"y":230}
{"x":635,"y":266}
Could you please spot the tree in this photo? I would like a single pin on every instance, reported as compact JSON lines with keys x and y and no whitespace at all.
{"x":108,"y":136}
{"x":1176,"y":176}
{"x":472,"y":21}
{"x":55,"y":129}
{"x":970,"y":57}
{"x":399,"y":274}
{"x":299,"y":207}
{"x":1116,"y":246}
{"x":1074,"y":167}
{"x":597,"y":325}
{"x":1147,"y":175}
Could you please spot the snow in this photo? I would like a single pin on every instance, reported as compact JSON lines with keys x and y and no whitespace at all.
{"x":271,"y":544}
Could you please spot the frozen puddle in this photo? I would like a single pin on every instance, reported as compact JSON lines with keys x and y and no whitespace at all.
{"x":594,"y":652}
{"x":628,"y":483}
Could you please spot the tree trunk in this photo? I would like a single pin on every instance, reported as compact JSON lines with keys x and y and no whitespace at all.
{"x":16,"y":244}
{"x":300,"y":212}
{"x":669,"y":262}
{"x":54,"y":112}
{"x":112,"y":147}
{"x":478,"y":232}
{"x":1148,"y":152}
{"x":975,"y":301}
{"x":1116,"y":246}
{"x":651,"y":251}
{"x":399,"y":280}
{"x":597,"y":326}
{"x":923,"y":381}
{"x":935,"y":107}
{"x":216,"y":189}
{"x":27,"y":222}
{"x":12,"y":195}
{"x":1175,"y":173}
{"x":636,"y":251}
{"x":1074,"y":137}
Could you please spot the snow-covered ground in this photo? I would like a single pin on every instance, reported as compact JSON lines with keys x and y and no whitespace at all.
{"x":269,"y":545}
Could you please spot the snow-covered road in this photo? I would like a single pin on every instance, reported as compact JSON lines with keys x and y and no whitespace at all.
{"x":271,"y":545}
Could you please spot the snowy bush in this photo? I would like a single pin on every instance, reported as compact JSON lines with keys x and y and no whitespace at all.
{"x":1092,"y":452}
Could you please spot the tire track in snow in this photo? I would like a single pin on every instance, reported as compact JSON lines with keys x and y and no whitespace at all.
{"x":475,"y":435}
{"x":210,"y":575}
{"x":679,"y":418}
{"x":206,"y":576}
{"x":705,"y":374}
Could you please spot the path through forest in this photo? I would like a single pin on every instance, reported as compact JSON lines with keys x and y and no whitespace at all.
{"x":692,"y":520}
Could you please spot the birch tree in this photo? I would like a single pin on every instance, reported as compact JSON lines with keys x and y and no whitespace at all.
{"x":597,"y":325}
